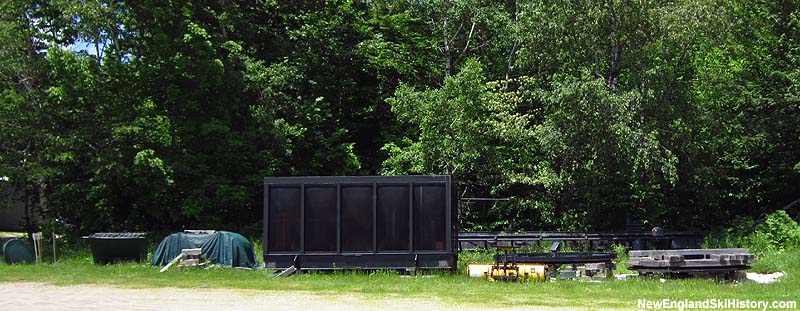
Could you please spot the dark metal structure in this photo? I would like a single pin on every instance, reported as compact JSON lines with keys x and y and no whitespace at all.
{"x":507,"y":261}
{"x":108,"y":247}
{"x":360,"y":222}
{"x":675,"y":240}
{"x":565,"y":258}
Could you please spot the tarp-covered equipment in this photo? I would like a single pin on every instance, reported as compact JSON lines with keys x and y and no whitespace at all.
{"x":222,"y":248}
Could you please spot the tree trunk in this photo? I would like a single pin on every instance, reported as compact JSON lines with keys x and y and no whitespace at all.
{"x":28,"y":219}
{"x":41,"y":192}
{"x":448,"y":58}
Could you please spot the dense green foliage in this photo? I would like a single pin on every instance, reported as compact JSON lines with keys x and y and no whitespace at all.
{"x":778,"y":233}
{"x":156,"y":115}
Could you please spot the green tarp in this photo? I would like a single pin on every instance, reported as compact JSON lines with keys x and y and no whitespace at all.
{"x":222,"y":247}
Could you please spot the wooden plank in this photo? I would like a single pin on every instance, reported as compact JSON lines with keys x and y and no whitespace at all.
{"x":172,"y":262}
{"x":689,"y":263}
{"x":695,"y":263}
{"x":192,"y":251}
{"x":199,"y":231}
{"x":689,"y":252}
{"x":718,"y":270}
{"x":691,"y":259}
{"x":189,"y":262}
{"x":289,"y":271}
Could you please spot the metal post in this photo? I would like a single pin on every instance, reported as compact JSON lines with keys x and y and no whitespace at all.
{"x":449,"y":213}
{"x":374,"y":218}
{"x":266,"y":219}
{"x":338,"y":218}
{"x":302,"y":218}
{"x":53,"y":236}
{"x":411,"y":215}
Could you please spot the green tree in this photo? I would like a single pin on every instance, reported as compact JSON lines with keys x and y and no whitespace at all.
{"x":598,"y":144}
{"x":471,"y":129}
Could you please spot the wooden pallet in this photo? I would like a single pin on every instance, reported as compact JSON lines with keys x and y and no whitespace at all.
{"x":189,"y":257}
{"x":691,"y":260}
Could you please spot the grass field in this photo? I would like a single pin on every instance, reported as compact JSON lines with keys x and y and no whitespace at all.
{"x":78,"y":268}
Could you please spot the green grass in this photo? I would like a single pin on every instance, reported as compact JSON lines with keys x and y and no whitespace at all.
{"x":78,"y":268}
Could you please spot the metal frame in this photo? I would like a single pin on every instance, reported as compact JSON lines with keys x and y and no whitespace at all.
{"x":559,"y":258}
{"x":374,"y":258}
{"x":472,"y":240}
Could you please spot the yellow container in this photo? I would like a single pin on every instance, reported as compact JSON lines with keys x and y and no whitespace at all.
{"x":526,"y":272}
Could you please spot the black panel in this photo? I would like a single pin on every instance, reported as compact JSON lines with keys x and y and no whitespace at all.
{"x":320,"y":216}
{"x":284,"y":219}
{"x":374,"y":220}
{"x":430,"y":222}
{"x":392,"y":221}
{"x":356,"y":219}
{"x":442,"y":260}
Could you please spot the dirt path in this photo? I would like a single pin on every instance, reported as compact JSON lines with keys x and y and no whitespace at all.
{"x":39,"y":296}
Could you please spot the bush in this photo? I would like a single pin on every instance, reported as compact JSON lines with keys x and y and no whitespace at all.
{"x":734,"y":236}
{"x":758,"y":243}
{"x":622,"y":257}
{"x":778,"y":231}
{"x":474,"y":256}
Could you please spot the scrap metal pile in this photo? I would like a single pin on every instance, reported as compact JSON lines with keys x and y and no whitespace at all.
{"x":512,"y":266}
{"x":509,"y":265}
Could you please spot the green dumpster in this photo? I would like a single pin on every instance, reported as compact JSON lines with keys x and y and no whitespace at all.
{"x":108,"y":247}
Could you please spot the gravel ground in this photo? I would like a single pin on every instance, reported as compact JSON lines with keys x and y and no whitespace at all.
{"x":40,"y":296}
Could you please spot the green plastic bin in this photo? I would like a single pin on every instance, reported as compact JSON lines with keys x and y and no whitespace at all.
{"x":17,"y":251}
